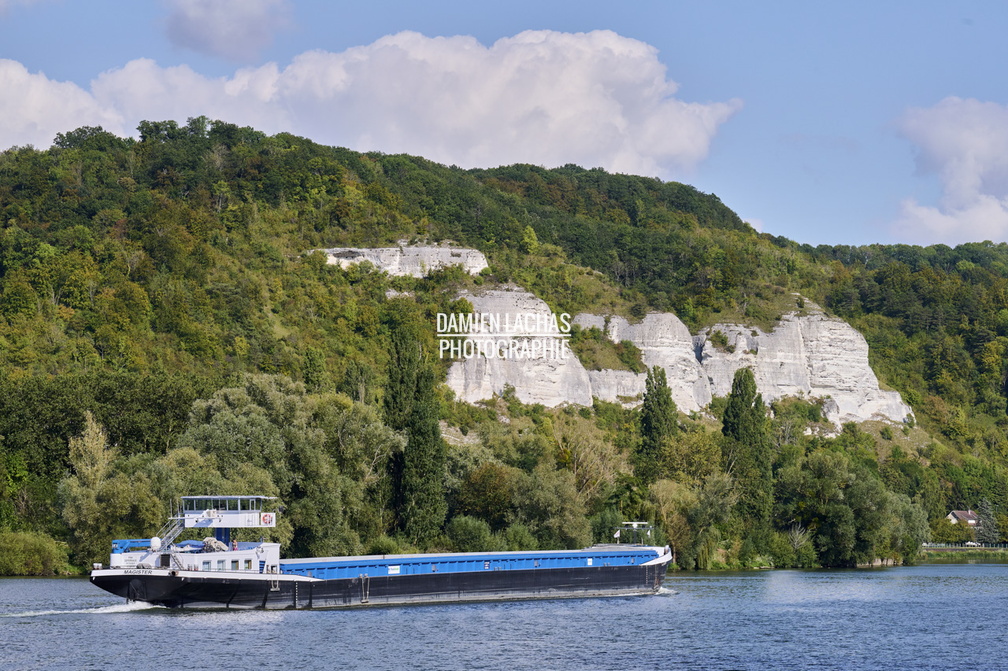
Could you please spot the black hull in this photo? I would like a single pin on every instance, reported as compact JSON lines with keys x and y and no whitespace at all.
{"x":185,"y":589}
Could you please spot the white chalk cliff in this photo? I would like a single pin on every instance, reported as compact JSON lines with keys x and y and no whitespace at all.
{"x":406,"y":260}
{"x":547,"y":378}
{"x":663,"y":341}
{"x":810,"y":356}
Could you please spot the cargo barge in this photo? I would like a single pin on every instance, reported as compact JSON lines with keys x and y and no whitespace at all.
{"x":220,"y":573}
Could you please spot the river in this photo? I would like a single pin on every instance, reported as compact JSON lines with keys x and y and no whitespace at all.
{"x":937,"y":616}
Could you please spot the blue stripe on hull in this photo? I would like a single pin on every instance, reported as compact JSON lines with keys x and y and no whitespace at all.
{"x":350,"y":567}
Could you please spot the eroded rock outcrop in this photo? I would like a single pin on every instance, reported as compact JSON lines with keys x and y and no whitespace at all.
{"x":807,"y":356}
{"x":810,"y":355}
{"x":663,"y":341}
{"x":545,"y":376}
{"x":406,"y":260}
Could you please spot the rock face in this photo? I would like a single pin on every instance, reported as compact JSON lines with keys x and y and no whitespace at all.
{"x":412,"y":261}
{"x":546,"y":376}
{"x":663,"y":341}
{"x":808,"y":356}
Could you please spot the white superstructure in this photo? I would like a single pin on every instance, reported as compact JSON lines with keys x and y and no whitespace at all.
{"x":212,"y":553}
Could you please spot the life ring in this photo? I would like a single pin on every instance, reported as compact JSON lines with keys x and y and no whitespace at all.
{"x":266,"y":519}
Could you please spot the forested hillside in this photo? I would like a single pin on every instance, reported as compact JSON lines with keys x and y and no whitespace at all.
{"x":166,"y":330}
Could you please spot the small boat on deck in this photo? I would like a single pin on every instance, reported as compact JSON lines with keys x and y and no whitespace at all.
{"x":218,"y":572}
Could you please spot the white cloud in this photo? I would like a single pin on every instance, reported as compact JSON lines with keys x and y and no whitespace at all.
{"x":542,"y":97}
{"x":964,"y":142}
{"x":144,"y":90}
{"x":35,"y":108}
{"x":233,"y":29}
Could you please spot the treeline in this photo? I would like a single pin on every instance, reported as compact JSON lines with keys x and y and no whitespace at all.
{"x":937,"y":322}
{"x":755,"y":493}
{"x":164,"y":328}
{"x":758,"y":493}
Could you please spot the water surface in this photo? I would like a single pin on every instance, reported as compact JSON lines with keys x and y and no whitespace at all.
{"x":939,"y":616}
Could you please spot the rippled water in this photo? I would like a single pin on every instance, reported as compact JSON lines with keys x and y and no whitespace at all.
{"x":924,"y":617}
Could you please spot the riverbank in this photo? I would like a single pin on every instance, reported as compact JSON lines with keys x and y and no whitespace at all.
{"x":961,"y":552}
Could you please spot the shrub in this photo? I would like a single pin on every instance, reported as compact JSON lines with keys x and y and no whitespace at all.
{"x":384,"y":545}
{"x":469,"y":534}
{"x":518,"y":537}
{"x":30,"y":553}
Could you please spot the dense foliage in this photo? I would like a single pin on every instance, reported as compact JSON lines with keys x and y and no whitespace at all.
{"x":166,"y":329}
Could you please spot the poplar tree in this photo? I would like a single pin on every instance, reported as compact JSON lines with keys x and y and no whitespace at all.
{"x":987,"y":530}
{"x":746,"y":448}
{"x":400,"y":390}
{"x":657,"y":422}
{"x":418,"y":472}
{"x":424,"y":507}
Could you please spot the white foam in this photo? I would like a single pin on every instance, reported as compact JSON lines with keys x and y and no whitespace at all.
{"x":125,"y":607}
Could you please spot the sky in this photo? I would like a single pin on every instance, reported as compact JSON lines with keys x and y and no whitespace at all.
{"x":826,"y":123}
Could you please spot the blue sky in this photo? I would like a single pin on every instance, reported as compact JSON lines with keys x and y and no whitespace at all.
{"x":839,"y":124}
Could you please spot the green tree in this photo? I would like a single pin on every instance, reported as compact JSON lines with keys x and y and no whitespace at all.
{"x":987,"y":529}
{"x":314,"y":369}
{"x":98,"y":502}
{"x":91,"y":458}
{"x":907,"y":528}
{"x":944,"y":531}
{"x":31,"y":553}
{"x":468,"y":534}
{"x":692,"y":455}
{"x":673,"y":504}
{"x":325,"y":455}
{"x":852,"y":517}
{"x":548,"y":502}
{"x":529,"y":242}
{"x":658,"y":423}
{"x":403,"y":368}
{"x":581,"y":449}
{"x":487,"y":492}
{"x":424,"y":507}
{"x":746,"y":449}
{"x":715,"y":499}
